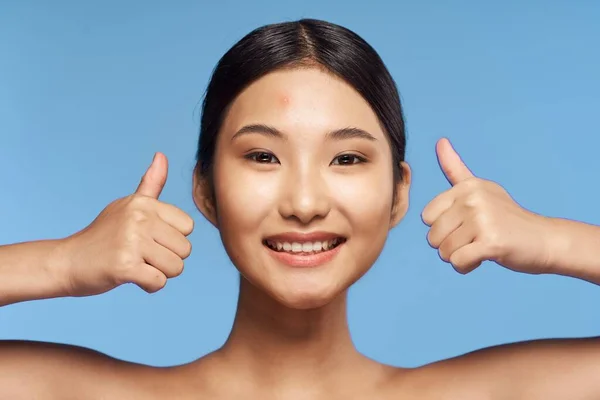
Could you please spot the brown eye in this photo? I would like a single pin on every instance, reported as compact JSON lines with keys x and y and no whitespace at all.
{"x":347,"y":159}
{"x":263,"y":157}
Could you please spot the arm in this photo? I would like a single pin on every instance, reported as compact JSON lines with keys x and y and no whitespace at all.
{"x":551,"y":369}
{"x":28,"y":370}
{"x":135,"y":239}
{"x":574,"y":249}
{"x":32,"y":271}
{"x":477,"y":220}
{"x":561,"y":368}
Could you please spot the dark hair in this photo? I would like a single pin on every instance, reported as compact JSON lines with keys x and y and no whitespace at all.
{"x":303,"y":43}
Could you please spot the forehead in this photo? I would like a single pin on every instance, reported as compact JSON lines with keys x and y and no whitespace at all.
{"x":301,"y":100}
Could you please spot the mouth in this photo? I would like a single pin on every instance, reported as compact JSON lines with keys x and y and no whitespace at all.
{"x":304,"y":248}
{"x":310,"y":250}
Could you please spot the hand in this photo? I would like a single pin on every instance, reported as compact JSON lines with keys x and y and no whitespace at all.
{"x":135,"y":239}
{"x":477,"y":220}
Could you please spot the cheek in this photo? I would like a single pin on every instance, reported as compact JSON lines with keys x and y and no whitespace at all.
{"x":245,"y":199}
{"x":366,"y":202}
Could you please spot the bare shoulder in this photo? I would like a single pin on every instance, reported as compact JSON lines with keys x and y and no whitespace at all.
{"x":449,"y":380}
{"x":56,"y":371}
{"x":543,"y":369}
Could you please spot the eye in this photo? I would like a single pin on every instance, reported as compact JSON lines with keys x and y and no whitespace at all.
{"x":262,"y":157}
{"x":347,"y":159}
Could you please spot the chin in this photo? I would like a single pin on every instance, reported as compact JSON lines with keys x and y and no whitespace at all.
{"x":306,"y":297}
{"x":295,"y":283}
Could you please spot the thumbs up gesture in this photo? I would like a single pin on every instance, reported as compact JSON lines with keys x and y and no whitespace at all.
{"x":477,"y":220}
{"x":136,"y":239}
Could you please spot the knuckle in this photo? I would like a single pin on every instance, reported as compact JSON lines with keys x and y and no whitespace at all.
{"x":445,"y":249}
{"x":426,"y":217}
{"x":137,"y":201}
{"x":138,"y":215}
{"x":432,"y":239}
{"x":130,"y":242}
{"x":133,"y":234}
{"x":125,"y":259}
{"x":460,"y":265}
{"x":128,"y":231}
{"x":490,"y":238}
{"x":152,"y":289}
{"x":189,"y":225}
{"x":473,"y":200}
{"x":177,"y":268}
{"x":173,"y":267}
{"x":443,"y":255}
{"x":140,"y":199}
{"x":483,"y":221}
{"x":187,"y":249}
{"x":159,"y":282}
{"x":462,"y":269}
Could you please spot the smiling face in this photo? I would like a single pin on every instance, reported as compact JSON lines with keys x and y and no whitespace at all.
{"x":303,"y":184}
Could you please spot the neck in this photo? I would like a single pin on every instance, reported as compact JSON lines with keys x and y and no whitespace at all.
{"x":279,"y":344}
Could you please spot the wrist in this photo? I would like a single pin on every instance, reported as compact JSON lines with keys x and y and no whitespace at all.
{"x":556,"y":244}
{"x":564,"y":256}
{"x":58,"y":266}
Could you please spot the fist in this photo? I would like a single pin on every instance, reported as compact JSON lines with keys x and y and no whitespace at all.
{"x":136,"y":239}
{"x":477,"y":220}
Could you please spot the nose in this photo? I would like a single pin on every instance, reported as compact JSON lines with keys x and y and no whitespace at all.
{"x":305,"y":196}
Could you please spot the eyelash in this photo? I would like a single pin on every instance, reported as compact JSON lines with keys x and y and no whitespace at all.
{"x":254,"y":157}
{"x":359,"y":159}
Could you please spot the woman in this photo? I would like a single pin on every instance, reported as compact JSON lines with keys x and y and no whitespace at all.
{"x":301,"y":169}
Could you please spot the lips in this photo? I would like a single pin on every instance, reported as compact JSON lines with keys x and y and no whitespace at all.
{"x":304,"y":249}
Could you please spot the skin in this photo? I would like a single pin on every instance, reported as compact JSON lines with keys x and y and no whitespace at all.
{"x":290,"y":337}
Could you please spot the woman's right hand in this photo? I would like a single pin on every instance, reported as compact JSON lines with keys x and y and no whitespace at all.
{"x":135,"y":239}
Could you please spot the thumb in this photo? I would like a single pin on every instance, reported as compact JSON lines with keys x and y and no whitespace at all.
{"x":155,"y":177}
{"x":452,"y":165}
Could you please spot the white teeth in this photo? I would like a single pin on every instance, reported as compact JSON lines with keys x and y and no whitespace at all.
{"x":306,"y":247}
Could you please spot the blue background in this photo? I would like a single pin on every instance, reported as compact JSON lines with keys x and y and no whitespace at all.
{"x":90,"y":90}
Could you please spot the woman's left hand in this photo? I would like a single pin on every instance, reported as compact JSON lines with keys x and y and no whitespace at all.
{"x":477,"y":220}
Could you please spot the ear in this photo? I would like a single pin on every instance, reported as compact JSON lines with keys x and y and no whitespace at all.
{"x":204,"y":198}
{"x":400,"y":206}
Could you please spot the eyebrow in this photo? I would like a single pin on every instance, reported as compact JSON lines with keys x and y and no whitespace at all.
{"x":349,"y":133}
{"x":335,"y":135}
{"x":261,"y":129}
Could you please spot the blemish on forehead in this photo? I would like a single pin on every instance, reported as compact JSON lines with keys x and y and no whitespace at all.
{"x":284,"y":99}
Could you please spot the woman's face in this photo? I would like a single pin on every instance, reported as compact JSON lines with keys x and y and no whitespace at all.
{"x":303,"y":186}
